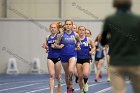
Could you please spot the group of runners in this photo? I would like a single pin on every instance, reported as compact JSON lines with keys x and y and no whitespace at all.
{"x":73,"y":48}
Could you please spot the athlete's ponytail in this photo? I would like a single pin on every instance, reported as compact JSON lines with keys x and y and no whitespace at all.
{"x":60,"y":27}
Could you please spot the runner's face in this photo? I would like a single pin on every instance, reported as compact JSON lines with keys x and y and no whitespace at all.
{"x":99,"y":37}
{"x":88,"y":33}
{"x":68,"y":25}
{"x":53,"y":29}
{"x":74,"y":28}
{"x":81,"y":31}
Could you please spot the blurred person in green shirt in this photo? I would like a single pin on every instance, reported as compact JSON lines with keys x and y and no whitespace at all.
{"x":121,"y":32}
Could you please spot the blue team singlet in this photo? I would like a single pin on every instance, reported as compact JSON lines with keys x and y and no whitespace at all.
{"x":85,"y":48}
{"x":69,"y":42}
{"x":99,"y":54}
{"x":52,"y":53}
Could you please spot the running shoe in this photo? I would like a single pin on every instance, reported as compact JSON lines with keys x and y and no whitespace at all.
{"x":70,"y":90}
{"x":82,"y":91}
{"x":60,"y":81}
{"x":96,"y":80}
{"x":108,"y":79}
{"x":86,"y":87}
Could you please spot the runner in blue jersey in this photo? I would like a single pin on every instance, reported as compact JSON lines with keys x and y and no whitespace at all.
{"x":88,"y":34}
{"x":83,"y":58}
{"x":53,"y":59}
{"x":99,"y":57}
{"x":70,"y":40}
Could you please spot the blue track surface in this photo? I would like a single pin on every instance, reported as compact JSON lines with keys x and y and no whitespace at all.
{"x":40,"y":84}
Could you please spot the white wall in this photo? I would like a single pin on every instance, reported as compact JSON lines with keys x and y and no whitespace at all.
{"x":45,"y":9}
{"x":92,"y":9}
{"x":87,"y":9}
{"x":23,"y":39}
{"x":34,"y":8}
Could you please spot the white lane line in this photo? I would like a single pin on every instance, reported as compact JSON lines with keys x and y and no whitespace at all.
{"x":104,"y":90}
{"x":42,"y":89}
{"x":90,"y":86}
{"x":101,"y":81}
{"x":23,"y":81}
{"x":19,"y":87}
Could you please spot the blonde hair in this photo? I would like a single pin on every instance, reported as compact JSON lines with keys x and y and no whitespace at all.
{"x":58,"y":25}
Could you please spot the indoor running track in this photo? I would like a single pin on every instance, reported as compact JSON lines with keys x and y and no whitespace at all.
{"x":40,"y":84}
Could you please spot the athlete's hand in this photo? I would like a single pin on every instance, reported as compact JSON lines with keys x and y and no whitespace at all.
{"x":78,"y":48}
{"x":46,"y":50}
{"x":57,"y":46}
{"x":44,"y":46}
{"x":92,"y":53}
{"x":62,"y":45}
{"x":52,"y":45}
{"x":98,"y":49}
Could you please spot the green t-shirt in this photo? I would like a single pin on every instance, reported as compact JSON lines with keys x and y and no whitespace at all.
{"x":122,"y":32}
